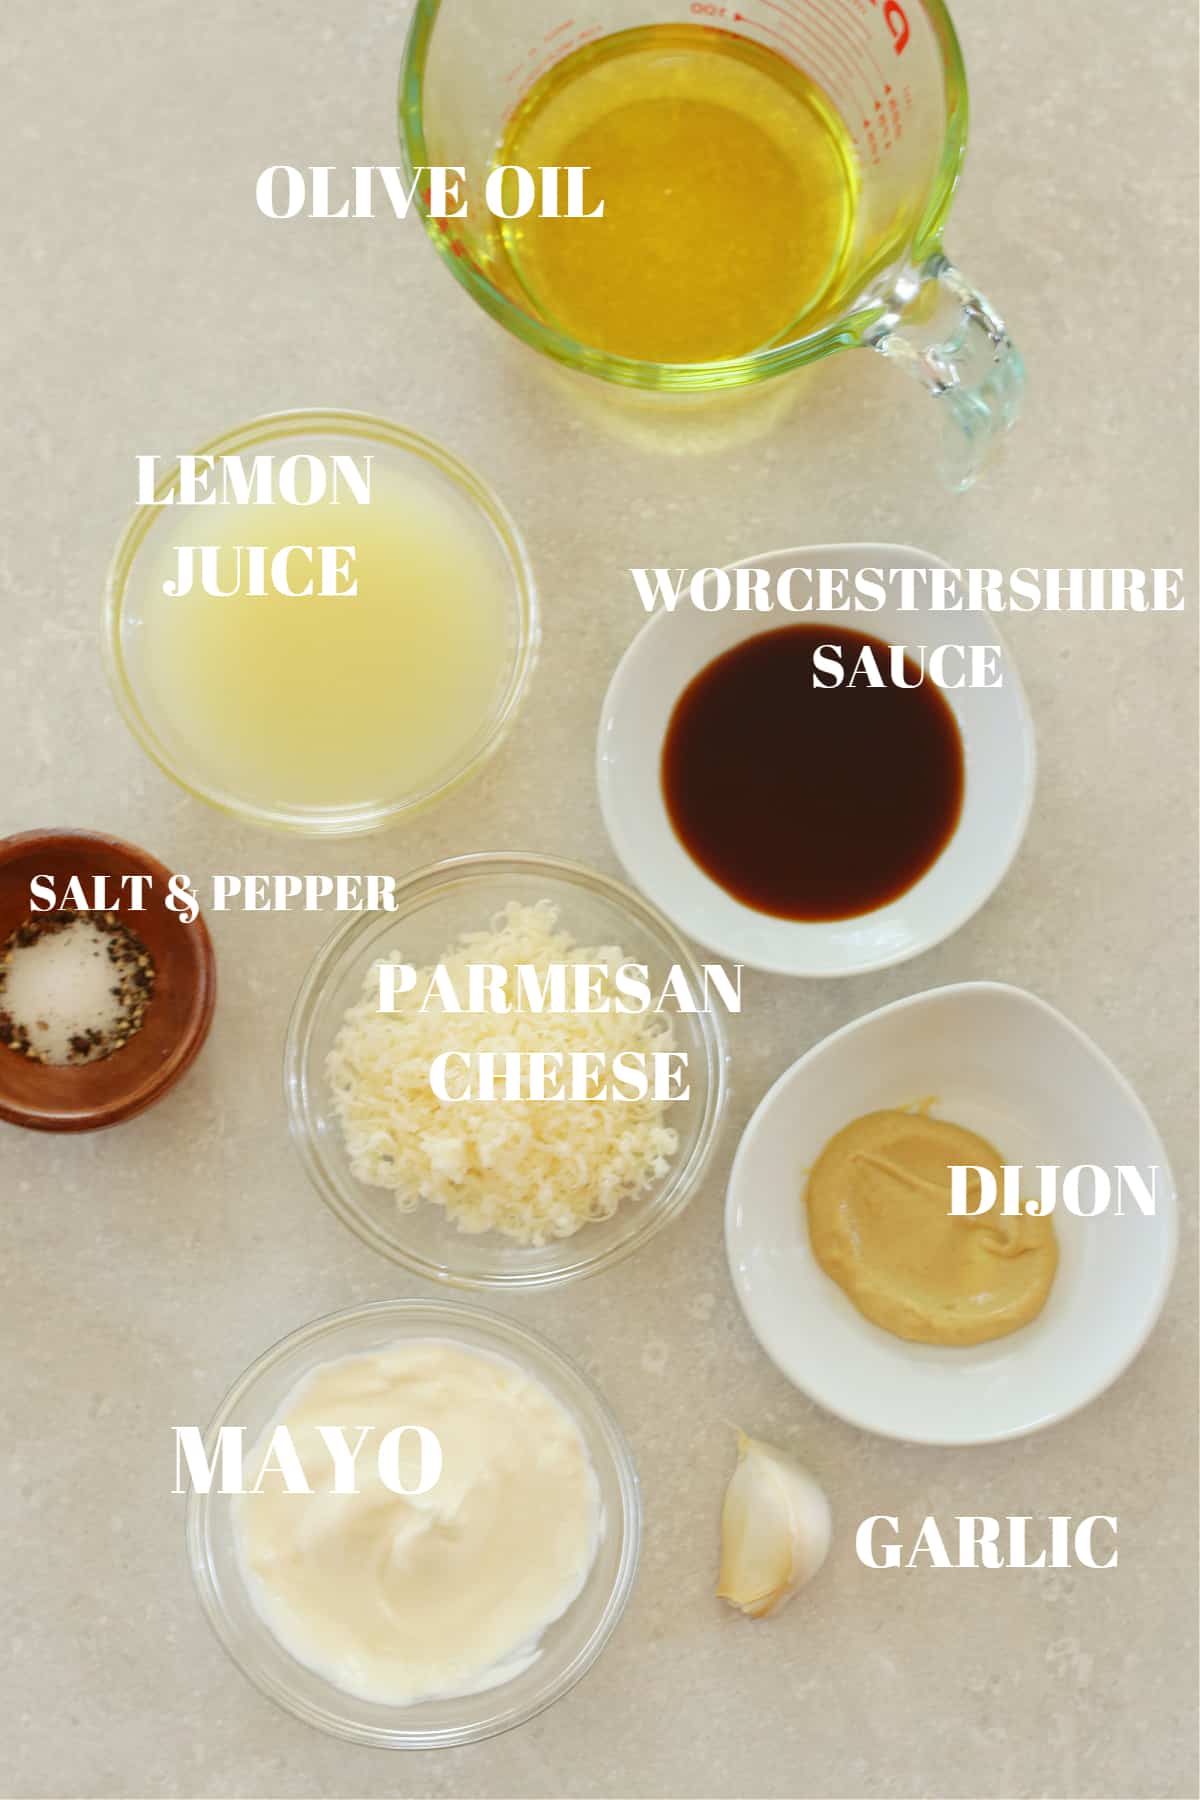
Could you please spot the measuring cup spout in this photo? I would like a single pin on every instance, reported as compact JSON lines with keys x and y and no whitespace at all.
{"x":959,"y":349}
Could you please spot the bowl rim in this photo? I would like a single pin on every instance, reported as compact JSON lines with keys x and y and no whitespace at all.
{"x":301,"y":424}
{"x":190,"y":1042}
{"x":457,"y":871}
{"x":850,"y":328}
{"x":1169,"y":1214}
{"x":792,"y":967}
{"x":532,"y":1350}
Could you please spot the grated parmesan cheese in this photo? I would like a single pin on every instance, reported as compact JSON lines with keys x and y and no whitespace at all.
{"x":532,"y":1170}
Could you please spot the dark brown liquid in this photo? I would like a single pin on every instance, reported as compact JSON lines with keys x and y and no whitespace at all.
{"x":811,"y":802}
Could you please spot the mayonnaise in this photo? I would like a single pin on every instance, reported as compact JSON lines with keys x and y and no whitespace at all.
{"x":400,"y":1598}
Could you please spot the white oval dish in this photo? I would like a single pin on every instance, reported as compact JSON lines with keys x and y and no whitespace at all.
{"x":1003,"y":1063}
{"x":998,"y":749}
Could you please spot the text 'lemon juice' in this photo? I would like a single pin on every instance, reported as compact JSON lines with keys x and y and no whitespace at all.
{"x":294,"y":702}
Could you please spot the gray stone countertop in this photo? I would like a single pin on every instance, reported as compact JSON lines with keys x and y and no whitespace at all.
{"x":147,"y":305}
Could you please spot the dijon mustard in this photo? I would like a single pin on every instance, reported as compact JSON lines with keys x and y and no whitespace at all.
{"x":878,"y":1202}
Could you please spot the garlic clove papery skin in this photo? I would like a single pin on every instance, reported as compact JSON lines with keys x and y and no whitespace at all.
{"x":775,"y":1530}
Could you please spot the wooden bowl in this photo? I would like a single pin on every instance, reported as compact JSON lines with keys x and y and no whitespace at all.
{"x":87,"y":1096}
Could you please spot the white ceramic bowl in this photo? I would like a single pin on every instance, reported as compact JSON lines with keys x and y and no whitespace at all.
{"x":998,"y":749}
{"x":1003,"y":1063}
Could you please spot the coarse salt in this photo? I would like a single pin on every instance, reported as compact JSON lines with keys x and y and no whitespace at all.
{"x":71,"y":990}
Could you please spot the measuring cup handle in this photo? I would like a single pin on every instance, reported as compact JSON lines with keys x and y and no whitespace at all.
{"x":967,"y":361}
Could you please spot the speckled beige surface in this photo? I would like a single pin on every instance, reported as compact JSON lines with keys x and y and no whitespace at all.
{"x":147,"y":306}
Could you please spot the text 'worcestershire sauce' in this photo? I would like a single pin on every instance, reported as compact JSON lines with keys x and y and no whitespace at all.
{"x":810,"y":802}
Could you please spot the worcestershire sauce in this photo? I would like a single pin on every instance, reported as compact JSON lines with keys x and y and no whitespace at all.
{"x":811,"y":802}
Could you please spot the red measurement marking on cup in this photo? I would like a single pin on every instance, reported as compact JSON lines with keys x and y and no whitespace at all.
{"x":837,"y":74}
{"x":556,"y":31}
{"x":520,"y":66}
{"x":557,"y":54}
{"x":880,"y":138}
{"x":854,"y":12}
{"x":565,"y":49}
{"x":832,"y":86}
{"x":455,"y":246}
{"x":836,"y":21}
{"x":889,"y":115}
{"x":838,"y":54}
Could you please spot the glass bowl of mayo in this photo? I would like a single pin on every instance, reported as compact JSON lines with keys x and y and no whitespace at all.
{"x":439,"y":1577}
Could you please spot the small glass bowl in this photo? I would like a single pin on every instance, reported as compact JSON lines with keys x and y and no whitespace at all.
{"x":433,"y":907}
{"x":321,"y":433}
{"x":569,"y":1646}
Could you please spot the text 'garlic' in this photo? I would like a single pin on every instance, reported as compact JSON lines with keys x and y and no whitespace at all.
{"x":775,"y":1530}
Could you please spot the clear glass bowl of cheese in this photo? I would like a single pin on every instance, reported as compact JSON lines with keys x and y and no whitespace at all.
{"x":321,"y":622}
{"x":434,"y":908}
{"x":565,"y":1649}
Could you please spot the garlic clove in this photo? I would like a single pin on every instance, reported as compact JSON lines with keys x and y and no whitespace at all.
{"x":775,"y":1530}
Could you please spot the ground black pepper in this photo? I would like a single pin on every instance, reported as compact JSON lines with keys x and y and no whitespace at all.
{"x":132,"y":989}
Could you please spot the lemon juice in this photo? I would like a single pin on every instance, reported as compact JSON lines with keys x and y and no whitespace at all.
{"x":335,"y":700}
{"x":729,"y":185}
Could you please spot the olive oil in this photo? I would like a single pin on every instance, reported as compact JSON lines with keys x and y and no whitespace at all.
{"x":729,"y":186}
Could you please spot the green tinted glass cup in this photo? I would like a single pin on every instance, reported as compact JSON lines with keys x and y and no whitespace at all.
{"x":894,"y":74}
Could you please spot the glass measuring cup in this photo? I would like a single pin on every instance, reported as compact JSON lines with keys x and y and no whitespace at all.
{"x":893,"y":71}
